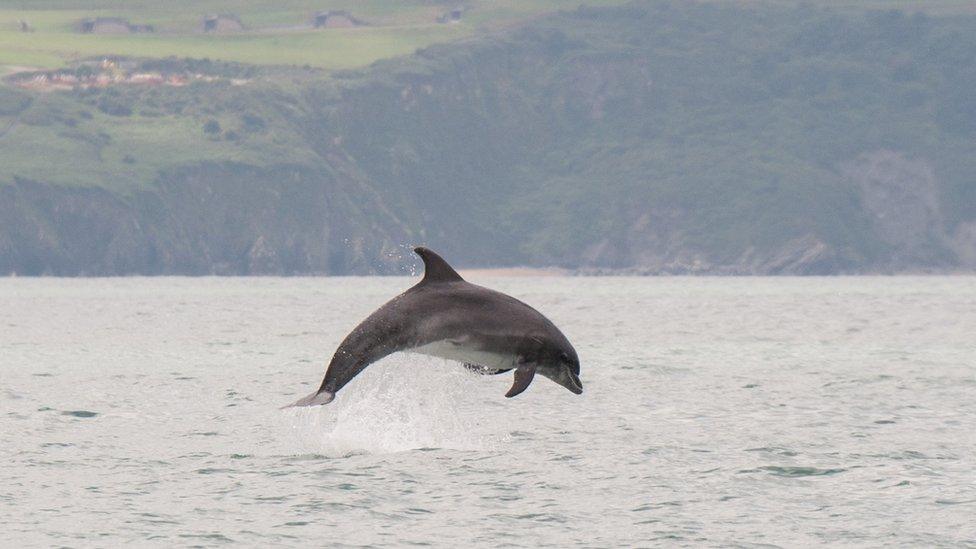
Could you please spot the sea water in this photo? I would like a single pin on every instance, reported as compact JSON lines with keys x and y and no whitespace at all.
{"x":715,"y":412}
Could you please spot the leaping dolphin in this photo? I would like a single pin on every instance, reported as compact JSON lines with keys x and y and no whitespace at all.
{"x":444,"y":316}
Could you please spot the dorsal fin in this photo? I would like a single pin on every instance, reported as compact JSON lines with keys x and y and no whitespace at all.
{"x":435,"y":268}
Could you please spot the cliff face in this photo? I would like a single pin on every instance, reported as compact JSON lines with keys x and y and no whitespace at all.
{"x":657,"y":138}
{"x":902,"y":200}
{"x":212,"y":219}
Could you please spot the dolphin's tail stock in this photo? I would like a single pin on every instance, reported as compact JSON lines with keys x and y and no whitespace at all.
{"x":317,"y":398}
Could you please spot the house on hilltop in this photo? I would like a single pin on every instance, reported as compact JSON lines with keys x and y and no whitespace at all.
{"x":335,"y":19}
{"x":222,"y":23}
{"x":111,"y":25}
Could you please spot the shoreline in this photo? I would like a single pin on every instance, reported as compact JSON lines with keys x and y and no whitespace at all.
{"x":514,"y":272}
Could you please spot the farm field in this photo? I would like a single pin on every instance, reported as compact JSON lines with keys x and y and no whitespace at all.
{"x":281,"y":32}
{"x":272,"y":33}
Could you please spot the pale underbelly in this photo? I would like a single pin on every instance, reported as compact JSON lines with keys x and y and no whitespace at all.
{"x":453,"y":351}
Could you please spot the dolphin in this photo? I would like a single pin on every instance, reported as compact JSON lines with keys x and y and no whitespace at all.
{"x":447,"y":317}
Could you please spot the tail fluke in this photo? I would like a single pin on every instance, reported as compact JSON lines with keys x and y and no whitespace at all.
{"x":314,"y":399}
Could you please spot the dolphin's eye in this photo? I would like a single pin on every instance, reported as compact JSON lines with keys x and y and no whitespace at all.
{"x":563,"y":357}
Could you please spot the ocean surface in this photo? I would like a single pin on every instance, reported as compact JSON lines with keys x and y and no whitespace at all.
{"x":717,"y":412}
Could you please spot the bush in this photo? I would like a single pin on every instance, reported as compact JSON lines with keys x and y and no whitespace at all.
{"x":114,"y":106}
{"x":253,"y":123}
{"x":13,"y":101}
{"x":211,"y":127}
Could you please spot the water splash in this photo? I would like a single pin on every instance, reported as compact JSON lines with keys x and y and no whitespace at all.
{"x":405,"y":260}
{"x":408,"y":402}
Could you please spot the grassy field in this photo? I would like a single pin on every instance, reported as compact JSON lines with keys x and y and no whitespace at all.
{"x":336,"y":48}
{"x":279,"y":33}
{"x":275,"y":32}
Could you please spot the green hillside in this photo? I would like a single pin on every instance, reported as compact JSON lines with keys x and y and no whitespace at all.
{"x":654,"y":137}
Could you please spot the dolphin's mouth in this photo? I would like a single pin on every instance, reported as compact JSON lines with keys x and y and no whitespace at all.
{"x":564,"y":376}
{"x":574,"y":384}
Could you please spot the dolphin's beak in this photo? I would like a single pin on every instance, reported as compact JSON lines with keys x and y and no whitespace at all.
{"x":564,"y":376}
{"x":570,"y":381}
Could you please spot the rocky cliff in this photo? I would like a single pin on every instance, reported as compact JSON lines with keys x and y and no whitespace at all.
{"x":210,"y":219}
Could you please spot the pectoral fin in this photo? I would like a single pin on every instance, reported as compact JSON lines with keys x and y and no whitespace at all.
{"x":523,"y":376}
